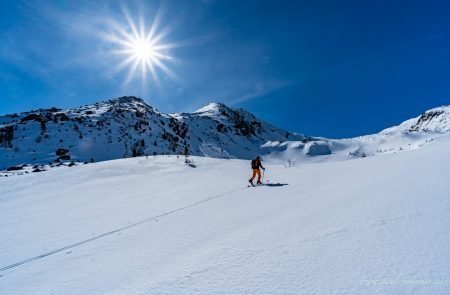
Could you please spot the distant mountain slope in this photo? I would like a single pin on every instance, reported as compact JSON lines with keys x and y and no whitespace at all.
{"x":127,"y":127}
{"x":411,"y":134}
{"x":435,"y":120}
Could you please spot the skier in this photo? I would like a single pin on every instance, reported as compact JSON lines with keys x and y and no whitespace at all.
{"x":256,"y":164}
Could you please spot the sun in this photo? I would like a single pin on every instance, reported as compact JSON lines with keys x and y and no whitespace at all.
{"x":142,"y":52}
{"x":142,"y":48}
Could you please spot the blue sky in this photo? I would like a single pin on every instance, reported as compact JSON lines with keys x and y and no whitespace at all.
{"x":324,"y":68}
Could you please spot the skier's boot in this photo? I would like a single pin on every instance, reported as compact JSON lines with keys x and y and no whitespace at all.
{"x":251,"y":182}
{"x":259,"y":183}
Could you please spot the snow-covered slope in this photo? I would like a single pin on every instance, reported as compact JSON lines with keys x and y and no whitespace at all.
{"x":375,"y":225}
{"x":409,"y":135}
{"x":127,"y":127}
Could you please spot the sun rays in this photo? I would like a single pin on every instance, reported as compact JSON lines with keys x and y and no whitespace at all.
{"x":145,"y":54}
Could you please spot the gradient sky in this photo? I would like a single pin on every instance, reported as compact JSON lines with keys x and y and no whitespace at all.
{"x":323,"y":68}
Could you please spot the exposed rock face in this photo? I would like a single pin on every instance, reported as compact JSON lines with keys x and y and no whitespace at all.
{"x":435,"y":120}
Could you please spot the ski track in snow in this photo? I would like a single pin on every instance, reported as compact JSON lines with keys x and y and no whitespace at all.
{"x":115,"y":231}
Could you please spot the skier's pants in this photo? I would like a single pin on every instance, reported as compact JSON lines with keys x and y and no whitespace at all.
{"x":256,"y":172}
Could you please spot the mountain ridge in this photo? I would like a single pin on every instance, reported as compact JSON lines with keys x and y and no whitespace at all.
{"x":127,"y":127}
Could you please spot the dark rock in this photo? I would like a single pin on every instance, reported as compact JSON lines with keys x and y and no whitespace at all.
{"x":62,"y":152}
{"x":64,"y":157}
{"x":222,"y":128}
{"x":424,"y":118}
{"x":6,"y":136}
{"x":34,"y":117}
{"x":61,"y":117}
{"x":54,"y":109}
{"x":14,"y":168}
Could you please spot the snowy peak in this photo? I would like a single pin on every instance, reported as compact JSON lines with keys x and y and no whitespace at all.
{"x":215,"y":110}
{"x":434,"y":120}
{"x":129,"y":102}
{"x":212,"y":108}
{"x":242,"y":123}
{"x":127,"y":99}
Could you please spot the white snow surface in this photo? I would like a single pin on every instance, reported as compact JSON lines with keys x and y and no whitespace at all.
{"x":409,"y":135}
{"x":374,"y":225}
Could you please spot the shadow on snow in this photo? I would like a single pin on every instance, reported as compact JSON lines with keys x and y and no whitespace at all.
{"x":275,"y":184}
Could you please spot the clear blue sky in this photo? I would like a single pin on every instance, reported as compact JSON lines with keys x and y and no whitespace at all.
{"x":324,"y":68}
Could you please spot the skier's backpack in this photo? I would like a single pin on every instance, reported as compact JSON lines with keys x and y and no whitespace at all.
{"x":255,"y":164}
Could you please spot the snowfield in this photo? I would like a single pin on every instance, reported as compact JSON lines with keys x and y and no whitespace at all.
{"x":375,"y":225}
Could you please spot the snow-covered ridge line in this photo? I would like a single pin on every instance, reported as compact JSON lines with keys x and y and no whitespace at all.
{"x":409,"y":135}
{"x":127,"y":127}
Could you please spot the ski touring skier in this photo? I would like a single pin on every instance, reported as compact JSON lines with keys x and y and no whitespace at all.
{"x":256,"y":164}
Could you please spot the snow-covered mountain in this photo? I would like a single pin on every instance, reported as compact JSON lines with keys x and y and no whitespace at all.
{"x":409,"y":135}
{"x":127,"y":127}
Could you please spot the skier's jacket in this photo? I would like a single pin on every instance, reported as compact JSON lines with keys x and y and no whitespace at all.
{"x":256,"y":164}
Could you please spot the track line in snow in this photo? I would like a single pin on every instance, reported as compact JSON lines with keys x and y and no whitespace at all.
{"x":118,"y":230}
